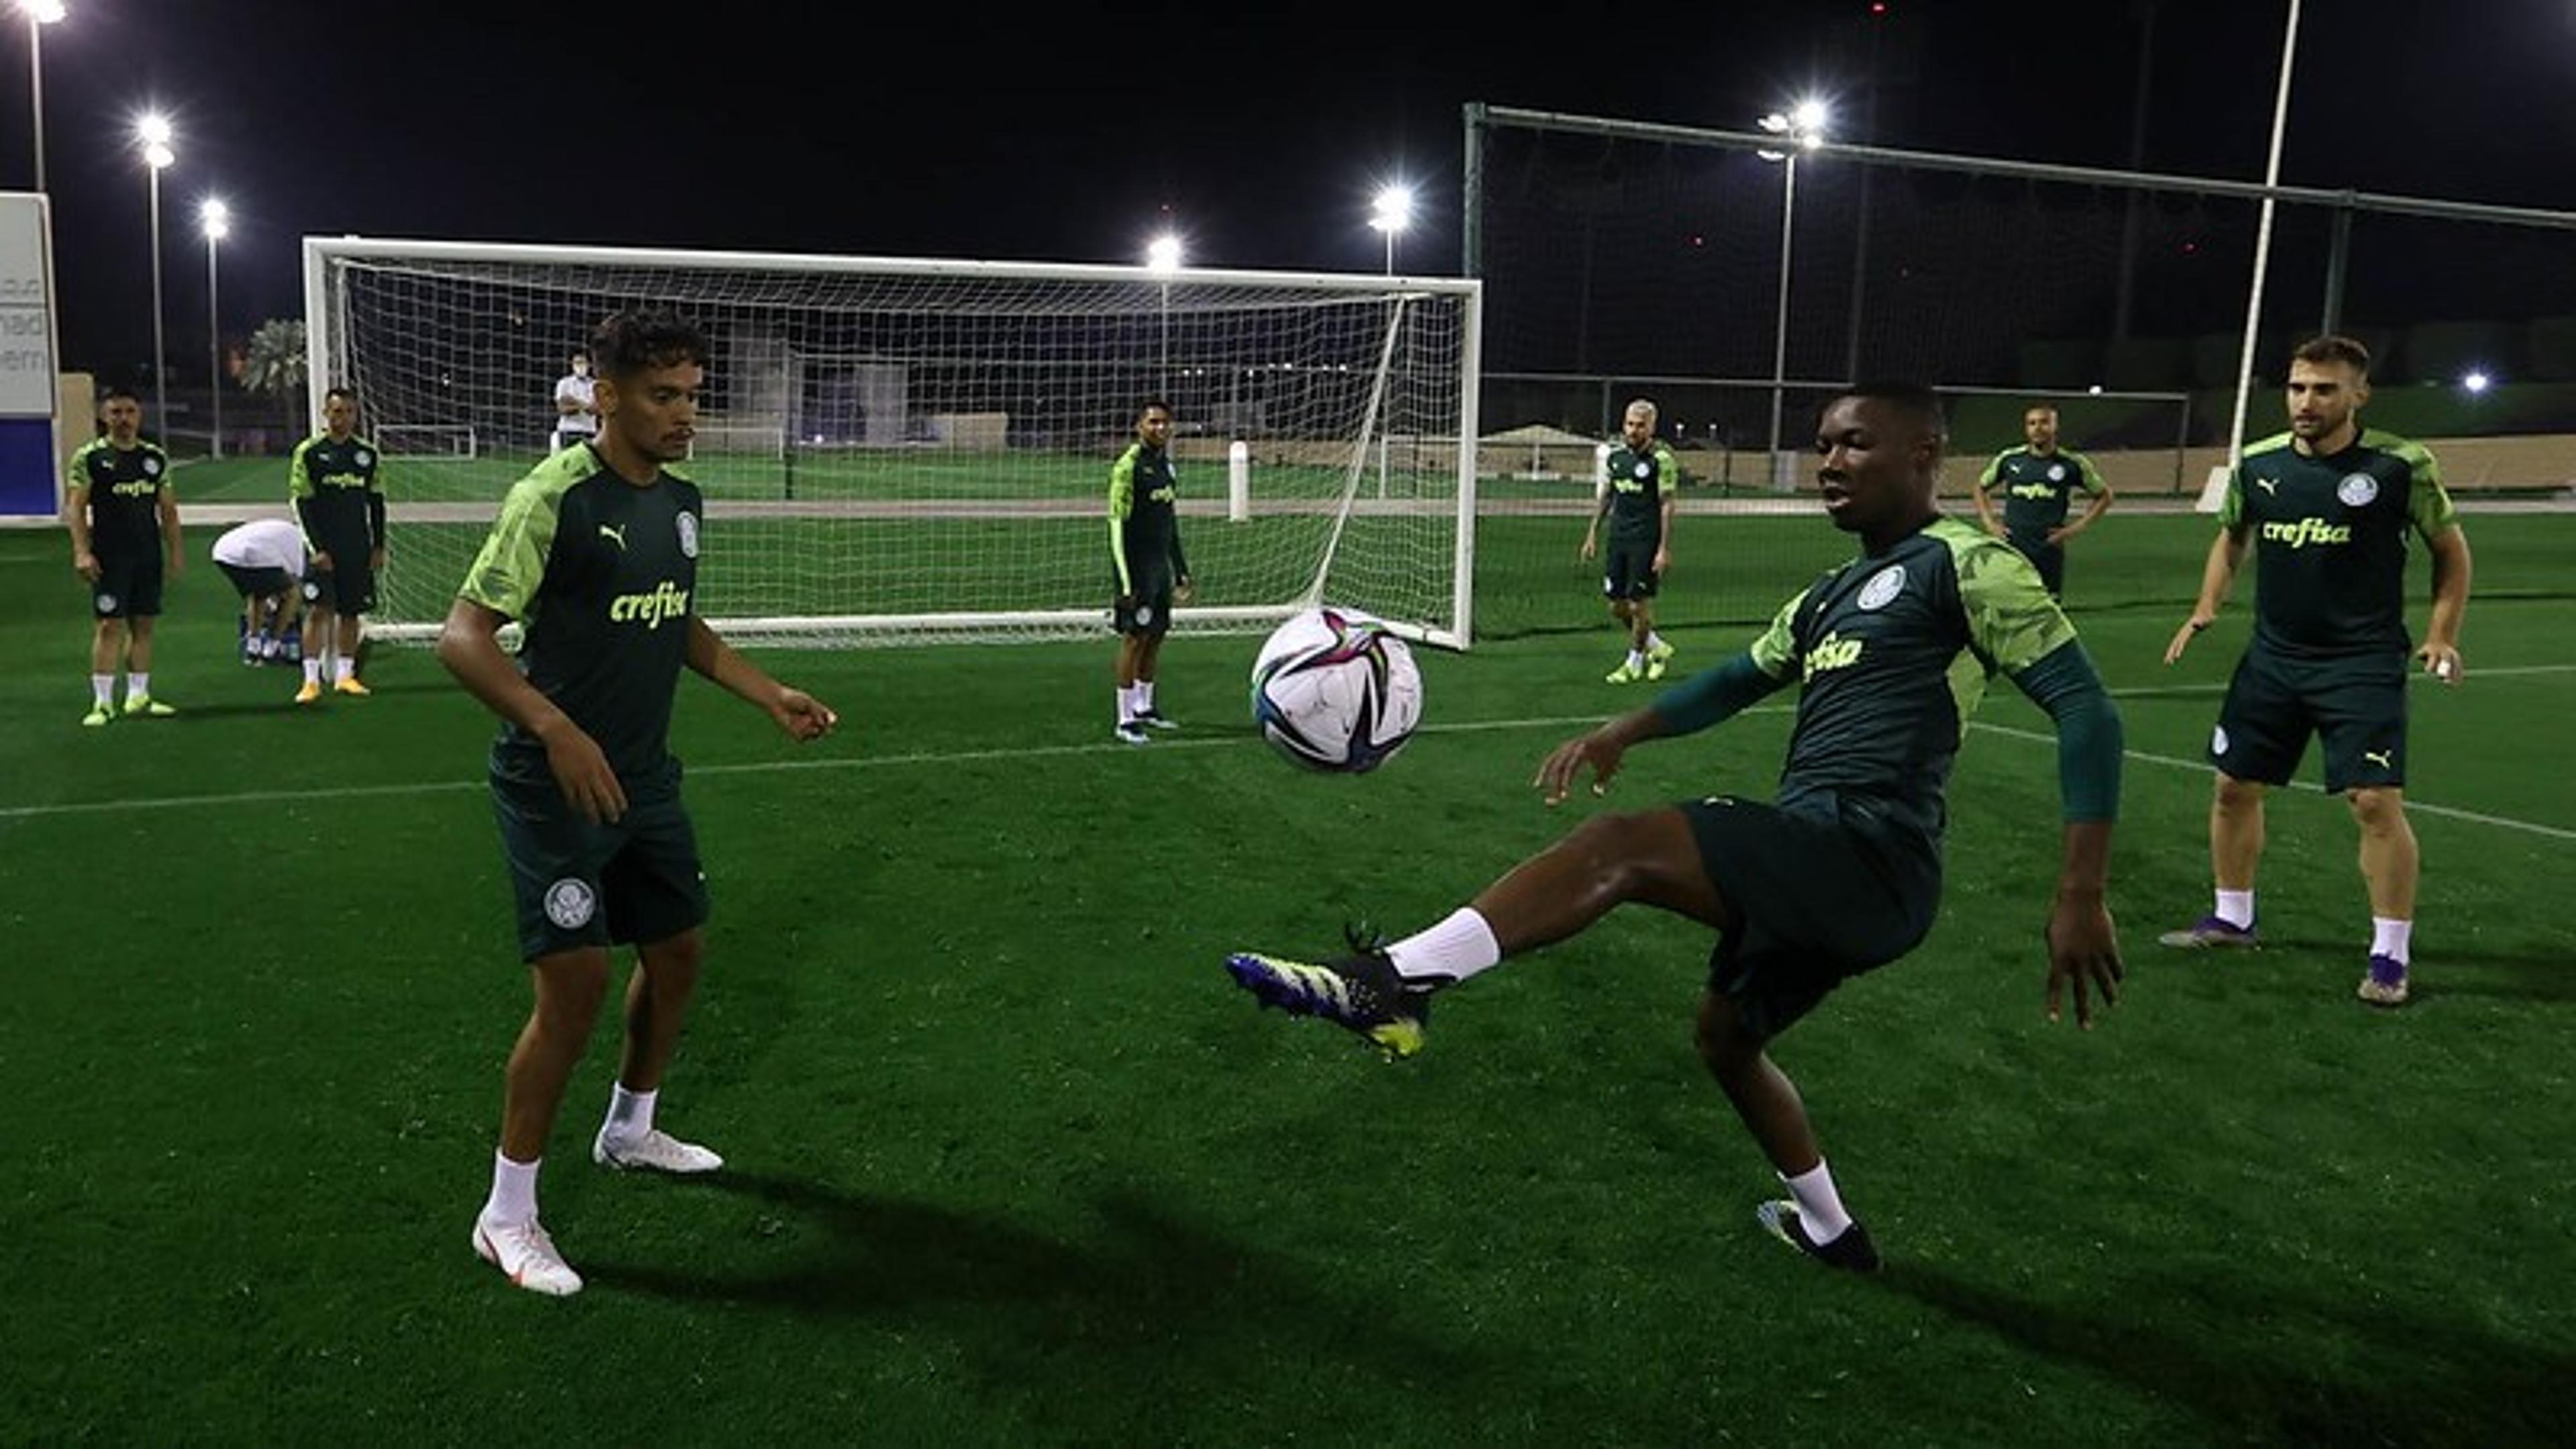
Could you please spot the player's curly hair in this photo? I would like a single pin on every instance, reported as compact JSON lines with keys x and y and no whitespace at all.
{"x":1913,"y":399}
{"x":627,"y":342}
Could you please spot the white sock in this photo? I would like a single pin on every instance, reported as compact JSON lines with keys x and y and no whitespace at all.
{"x":344,"y":670}
{"x":1636,"y":657}
{"x":514,"y":1191}
{"x":138,"y":685}
{"x":1144,"y":696}
{"x":2236,"y":908}
{"x":103,"y":688}
{"x":1449,"y":952}
{"x":1820,"y":1208}
{"x":312,"y":669}
{"x":1126,"y":703}
{"x":2390,"y":938}
{"x":630,"y":1114}
{"x":1654,"y":640}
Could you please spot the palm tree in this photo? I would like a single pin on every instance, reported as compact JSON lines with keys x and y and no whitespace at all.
{"x":274,"y":368}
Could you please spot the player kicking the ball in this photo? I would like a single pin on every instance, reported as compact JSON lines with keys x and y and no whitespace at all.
{"x":596,"y":553}
{"x":1841,"y":873}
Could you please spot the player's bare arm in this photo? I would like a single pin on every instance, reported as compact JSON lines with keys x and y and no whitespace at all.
{"x":76,"y":518}
{"x":2217,"y":576}
{"x":469,"y":645}
{"x":800,"y":714}
{"x":2440,"y":650}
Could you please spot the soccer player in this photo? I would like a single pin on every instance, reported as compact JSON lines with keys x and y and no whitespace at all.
{"x":1152,"y":572}
{"x":124,"y":522}
{"x":341,"y":508}
{"x":265,"y":560}
{"x":596,"y":554}
{"x":2326,"y":509}
{"x":2039,"y":479}
{"x":1637,"y":494}
{"x":576,"y":409}
{"x":1841,"y":873}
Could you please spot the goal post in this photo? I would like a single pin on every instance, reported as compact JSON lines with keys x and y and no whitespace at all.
{"x":903,"y":449}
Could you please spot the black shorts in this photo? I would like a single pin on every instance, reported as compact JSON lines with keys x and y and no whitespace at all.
{"x":1628,"y":571}
{"x":1147,"y":613}
{"x":583,"y":884}
{"x":2356,"y":704}
{"x":129,"y":585}
{"x":1817,"y":901}
{"x":251,"y":583}
{"x":2048,"y":558}
{"x":348,"y":586}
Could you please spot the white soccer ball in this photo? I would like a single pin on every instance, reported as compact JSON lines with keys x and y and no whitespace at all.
{"x":1334,"y":690}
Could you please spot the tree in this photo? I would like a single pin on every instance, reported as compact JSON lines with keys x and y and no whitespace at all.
{"x":274,"y":368}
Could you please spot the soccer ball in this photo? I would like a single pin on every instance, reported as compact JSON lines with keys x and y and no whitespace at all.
{"x":1334,"y":690}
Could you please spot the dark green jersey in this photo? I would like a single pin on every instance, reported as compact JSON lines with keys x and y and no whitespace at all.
{"x":333,"y":485}
{"x":123,"y":487}
{"x":2330,"y":536}
{"x":1144,"y":520}
{"x":601,"y":573}
{"x":1892,"y":652}
{"x":1635,"y":484}
{"x":2037,"y":487}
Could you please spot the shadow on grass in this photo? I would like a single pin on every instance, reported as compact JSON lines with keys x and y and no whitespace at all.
{"x":1131,"y":1304}
{"x":2257,"y":1363}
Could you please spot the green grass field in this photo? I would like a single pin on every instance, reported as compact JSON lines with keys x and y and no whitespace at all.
{"x":1011,"y":1162}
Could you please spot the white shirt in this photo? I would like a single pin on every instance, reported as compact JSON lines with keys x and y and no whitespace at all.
{"x":265,"y":543}
{"x":574,"y":388}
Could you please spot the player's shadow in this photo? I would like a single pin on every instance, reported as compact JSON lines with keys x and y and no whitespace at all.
{"x":2451,"y":969}
{"x":1127,"y":1299}
{"x":2410,"y":1380}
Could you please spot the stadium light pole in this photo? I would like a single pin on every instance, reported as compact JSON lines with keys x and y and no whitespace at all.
{"x":39,"y":13}
{"x":1803,"y":128}
{"x":154,"y":132}
{"x":1163,"y":258}
{"x":216,"y":219}
{"x":1391,"y":213}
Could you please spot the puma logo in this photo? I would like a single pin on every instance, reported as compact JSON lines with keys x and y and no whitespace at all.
{"x":2382,"y":758}
{"x":615,"y":534}
{"x":2269,"y":485}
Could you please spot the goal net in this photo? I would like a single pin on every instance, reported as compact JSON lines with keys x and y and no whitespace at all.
{"x":897,"y":450}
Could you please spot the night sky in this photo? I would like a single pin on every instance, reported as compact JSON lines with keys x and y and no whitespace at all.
{"x":1258,"y":132}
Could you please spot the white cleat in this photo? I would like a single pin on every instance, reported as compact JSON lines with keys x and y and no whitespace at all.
{"x":656,"y":1151}
{"x":527,"y":1255}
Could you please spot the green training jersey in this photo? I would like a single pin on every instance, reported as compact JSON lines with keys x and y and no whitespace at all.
{"x":1144,"y":520}
{"x":124,"y":490}
{"x":330,"y":482}
{"x":602,"y":573}
{"x":1636,"y":483}
{"x":2329,"y":536}
{"x":2038,"y":486}
{"x":1892,"y":652}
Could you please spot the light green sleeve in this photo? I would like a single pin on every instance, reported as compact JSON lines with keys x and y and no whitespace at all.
{"x":2428,"y":503}
{"x":2087,"y":477}
{"x":1776,"y":652}
{"x":1668,"y":473}
{"x":512,"y":566}
{"x":1122,"y":501}
{"x":299,"y":479}
{"x":2231,"y":505}
{"x":1994,"y":470}
{"x":2011,"y":619}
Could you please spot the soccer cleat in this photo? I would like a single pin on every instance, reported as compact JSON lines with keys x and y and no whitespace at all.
{"x":1359,"y":993}
{"x":527,"y":1255}
{"x":310,"y":691}
{"x":2384,"y":984}
{"x":1851,"y":1252}
{"x":147,"y":707}
{"x":655,"y":1151}
{"x":1657,"y":659}
{"x":351,"y":686}
{"x":1626,"y":673}
{"x":2210,"y":931}
{"x":1132,"y":732}
{"x":99,"y":714}
{"x":1157,"y":719}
